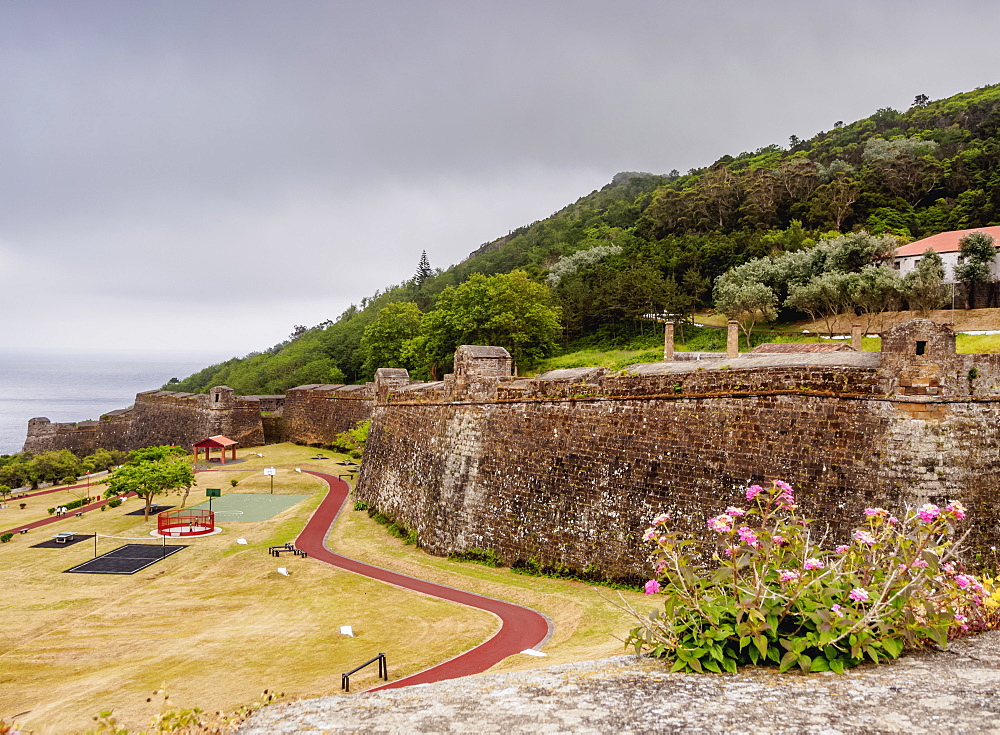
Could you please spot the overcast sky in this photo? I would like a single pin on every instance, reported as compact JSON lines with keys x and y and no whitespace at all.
{"x":201,"y":176}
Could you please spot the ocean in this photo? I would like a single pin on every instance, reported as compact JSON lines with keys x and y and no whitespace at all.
{"x":65,"y":387}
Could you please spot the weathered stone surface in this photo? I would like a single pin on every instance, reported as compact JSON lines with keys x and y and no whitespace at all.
{"x":567,"y":469}
{"x":931,"y":692}
{"x":315,"y":414}
{"x":159,"y":417}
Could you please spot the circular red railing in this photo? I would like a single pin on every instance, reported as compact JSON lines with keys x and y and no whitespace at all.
{"x":185,"y":522}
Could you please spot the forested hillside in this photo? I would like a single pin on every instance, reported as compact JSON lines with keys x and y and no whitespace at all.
{"x":656,"y":243}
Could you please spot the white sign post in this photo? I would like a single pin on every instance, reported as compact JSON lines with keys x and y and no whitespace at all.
{"x":270,"y":471}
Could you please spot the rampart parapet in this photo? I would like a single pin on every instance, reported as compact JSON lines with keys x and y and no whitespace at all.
{"x":565,"y":469}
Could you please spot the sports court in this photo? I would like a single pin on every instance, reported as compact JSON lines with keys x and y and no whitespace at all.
{"x":250,"y":508}
{"x":127,"y":559}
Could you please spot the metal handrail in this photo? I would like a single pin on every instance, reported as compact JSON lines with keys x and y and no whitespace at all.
{"x":383,"y":672}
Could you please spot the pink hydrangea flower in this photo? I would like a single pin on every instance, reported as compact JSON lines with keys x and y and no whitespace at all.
{"x":661,"y":565}
{"x":747,"y":536}
{"x":864,"y":537}
{"x":859,"y":594}
{"x":783,"y":486}
{"x":835,"y":609}
{"x":842,"y":549}
{"x":962,"y":620}
{"x":876,"y":512}
{"x":652,"y":587}
{"x":728,"y":551}
{"x":661,"y":519}
{"x":753,"y":491}
{"x":928,"y":512}
{"x":787,"y":575}
{"x":949,"y":568}
{"x":649,"y":535}
{"x":779,"y":540}
{"x":919,"y":564}
{"x":892,"y":520}
{"x":963,"y":580}
{"x":956,"y":509}
{"x":812,"y":563}
{"x":721,"y":524}
{"x":734,"y":512}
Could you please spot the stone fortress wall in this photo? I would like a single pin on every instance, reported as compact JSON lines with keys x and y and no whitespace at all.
{"x":567,"y":468}
{"x":159,"y":417}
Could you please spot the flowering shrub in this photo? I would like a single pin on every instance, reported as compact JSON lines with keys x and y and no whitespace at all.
{"x":774,"y":596}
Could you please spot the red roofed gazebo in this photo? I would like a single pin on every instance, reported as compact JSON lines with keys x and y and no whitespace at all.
{"x":215,"y":442}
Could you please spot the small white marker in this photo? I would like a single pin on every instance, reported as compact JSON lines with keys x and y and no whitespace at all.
{"x":347,"y":630}
{"x":283,"y":571}
{"x":297,"y":469}
{"x":533,"y":652}
{"x":241,"y":541}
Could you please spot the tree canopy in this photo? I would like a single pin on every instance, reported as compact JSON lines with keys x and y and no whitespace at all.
{"x":155,"y":471}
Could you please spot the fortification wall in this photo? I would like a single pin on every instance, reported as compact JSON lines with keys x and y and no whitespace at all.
{"x":315,"y":414}
{"x":569,"y":468}
{"x":157,"y":417}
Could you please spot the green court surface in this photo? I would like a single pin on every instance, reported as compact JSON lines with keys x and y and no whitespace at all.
{"x":254,"y":508}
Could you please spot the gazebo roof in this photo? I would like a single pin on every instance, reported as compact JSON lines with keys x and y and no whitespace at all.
{"x":216,"y":442}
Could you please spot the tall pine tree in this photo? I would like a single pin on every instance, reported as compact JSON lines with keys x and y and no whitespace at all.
{"x":423,"y":269}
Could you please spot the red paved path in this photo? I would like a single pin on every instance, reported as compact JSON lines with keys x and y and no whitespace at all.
{"x":55,"y":519}
{"x":522,"y":627}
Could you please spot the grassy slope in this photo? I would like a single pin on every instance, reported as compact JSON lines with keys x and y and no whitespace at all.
{"x":972,"y":320}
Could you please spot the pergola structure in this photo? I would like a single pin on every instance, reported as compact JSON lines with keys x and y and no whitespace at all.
{"x":215,"y":442}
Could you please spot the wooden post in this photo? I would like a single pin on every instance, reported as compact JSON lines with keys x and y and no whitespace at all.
{"x":733,"y":340}
{"x":668,"y":342}
{"x":856,"y":336}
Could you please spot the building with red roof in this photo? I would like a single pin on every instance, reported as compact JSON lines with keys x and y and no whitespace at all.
{"x":944,"y":244}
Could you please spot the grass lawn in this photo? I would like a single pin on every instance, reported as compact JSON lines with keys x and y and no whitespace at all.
{"x":215,"y":624}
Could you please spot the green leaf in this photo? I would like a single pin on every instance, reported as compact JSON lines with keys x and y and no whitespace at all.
{"x":678,"y":666}
{"x":787,"y":661}
{"x":893,"y":646}
{"x":819,"y":663}
{"x":837,"y":666}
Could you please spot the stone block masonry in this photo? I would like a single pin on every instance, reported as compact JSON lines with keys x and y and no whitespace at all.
{"x":158,"y":417}
{"x":567,"y":469}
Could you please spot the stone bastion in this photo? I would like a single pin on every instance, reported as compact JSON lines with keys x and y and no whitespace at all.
{"x":564,"y":470}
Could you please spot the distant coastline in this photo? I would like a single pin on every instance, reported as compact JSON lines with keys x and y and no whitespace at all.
{"x":76,"y":387}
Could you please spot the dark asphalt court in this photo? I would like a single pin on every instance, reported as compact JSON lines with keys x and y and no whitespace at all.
{"x":127,"y":559}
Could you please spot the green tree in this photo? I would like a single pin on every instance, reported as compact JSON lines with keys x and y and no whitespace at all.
{"x":877,"y":289}
{"x":823,"y":297}
{"x":423,"y":270}
{"x":977,"y":253}
{"x":924,"y":287}
{"x":148,"y":478}
{"x":384,"y":342}
{"x":507,"y":310}
{"x":53,"y":466}
{"x":748,"y":303}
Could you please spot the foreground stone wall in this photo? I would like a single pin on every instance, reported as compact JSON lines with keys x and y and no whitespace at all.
{"x":567,"y":469}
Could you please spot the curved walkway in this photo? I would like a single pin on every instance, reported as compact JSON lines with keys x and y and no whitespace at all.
{"x":69,"y":514}
{"x":521,"y":627}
